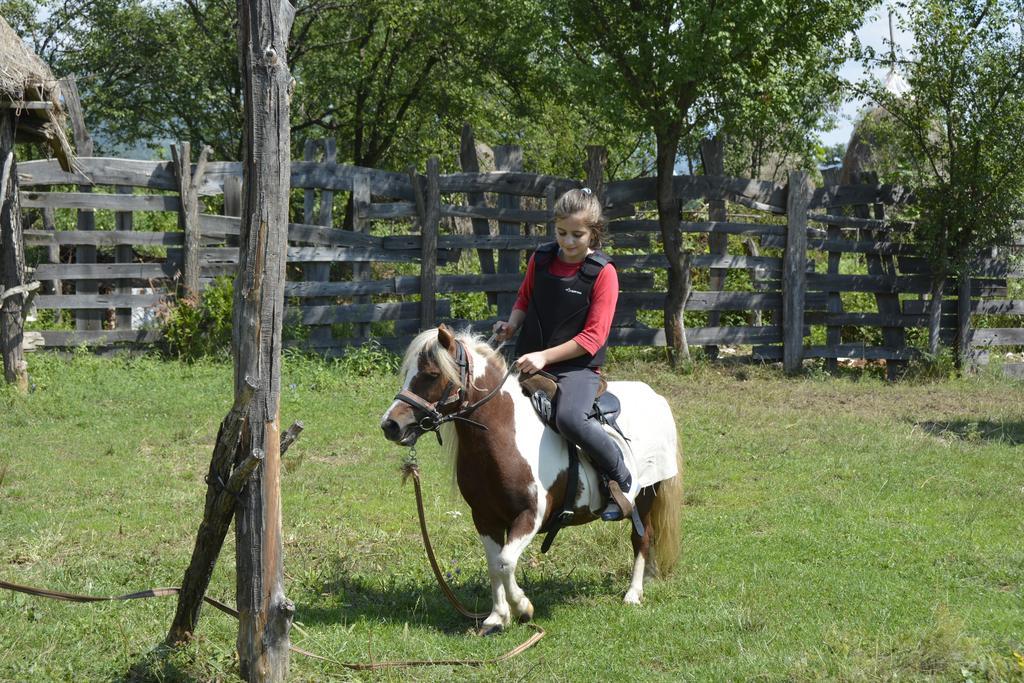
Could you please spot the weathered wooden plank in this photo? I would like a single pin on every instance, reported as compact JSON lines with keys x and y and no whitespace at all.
{"x":155,"y":175}
{"x":903,"y":284}
{"x":839,"y":351}
{"x":363,"y":313}
{"x":1013,"y":370}
{"x":844,"y":245}
{"x":997,"y":336}
{"x":1005,"y":306}
{"x":103,"y":238}
{"x":95,"y":200}
{"x":986,"y":267}
{"x":732,"y":261}
{"x":868,"y":319}
{"x":517,"y":242}
{"x":624,"y":336}
{"x":711,"y":227}
{"x":223,"y":226}
{"x":511,"y":182}
{"x":62,"y":338}
{"x":106,"y":271}
{"x":338,"y":177}
{"x":75,"y":301}
{"x":399,"y":210}
{"x":849,"y":195}
{"x":873,"y":224}
{"x":688,"y":187}
{"x":124,"y":222}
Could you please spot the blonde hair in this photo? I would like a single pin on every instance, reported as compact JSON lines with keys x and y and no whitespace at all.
{"x":426,"y":342}
{"x":583,"y":201}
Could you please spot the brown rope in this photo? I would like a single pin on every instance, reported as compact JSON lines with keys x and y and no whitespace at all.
{"x":413,"y":470}
{"x":410,"y":469}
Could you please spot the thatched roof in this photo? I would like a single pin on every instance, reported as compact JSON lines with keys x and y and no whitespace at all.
{"x":29,"y":88}
{"x":859,"y":155}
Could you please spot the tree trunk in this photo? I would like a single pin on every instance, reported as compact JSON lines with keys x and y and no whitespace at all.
{"x":12,"y":259}
{"x":265,"y":614}
{"x":669,"y":222}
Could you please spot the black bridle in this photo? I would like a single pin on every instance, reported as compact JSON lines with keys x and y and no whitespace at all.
{"x":452,"y":405}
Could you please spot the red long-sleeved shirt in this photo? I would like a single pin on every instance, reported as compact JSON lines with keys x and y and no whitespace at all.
{"x":603,"y":298}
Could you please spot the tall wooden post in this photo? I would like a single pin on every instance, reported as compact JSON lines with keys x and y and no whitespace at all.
{"x":85,"y":319}
{"x":124,"y":221}
{"x":188,"y":218}
{"x":265,"y":614}
{"x":12,"y":259}
{"x":428,"y":253}
{"x":794,"y":272}
{"x":964,"y":357}
{"x":508,"y":158}
{"x":713,"y":153}
{"x":481,"y":227}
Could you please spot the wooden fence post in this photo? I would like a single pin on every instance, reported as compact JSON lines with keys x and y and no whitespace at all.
{"x":834,"y":304}
{"x":965,"y":359}
{"x":265,"y":614}
{"x":888,"y":303}
{"x":85,"y":319}
{"x":794,"y":271}
{"x":362,"y":197}
{"x":481,"y":227}
{"x":319,"y":335}
{"x":188,"y":217}
{"x":124,"y":221}
{"x":508,"y":158}
{"x":12,"y":260}
{"x":713,"y":153}
{"x":428,"y":260}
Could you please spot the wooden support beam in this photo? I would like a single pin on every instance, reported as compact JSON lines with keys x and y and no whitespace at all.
{"x":713,"y":153}
{"x":12,"y":261}
{"x":508,"y":158}
{"x":481,"y":227}
{"x":794,"y":271}
{"x":428,"y":264}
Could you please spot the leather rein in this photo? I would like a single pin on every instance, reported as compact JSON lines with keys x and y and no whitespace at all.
{"x":453,"y":400}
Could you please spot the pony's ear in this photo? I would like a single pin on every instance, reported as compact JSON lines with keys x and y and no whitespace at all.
{"x":445,"y":337}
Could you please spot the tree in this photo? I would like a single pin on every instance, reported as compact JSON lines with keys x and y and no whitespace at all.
{"x":392,"y":81}
{"x":672,"y":67}
{"x":958,"y":136}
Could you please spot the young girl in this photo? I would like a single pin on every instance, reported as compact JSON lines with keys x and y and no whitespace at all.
{"x":565,"y":309}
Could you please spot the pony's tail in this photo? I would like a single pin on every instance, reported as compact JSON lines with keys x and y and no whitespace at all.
{"x":665,"y":518}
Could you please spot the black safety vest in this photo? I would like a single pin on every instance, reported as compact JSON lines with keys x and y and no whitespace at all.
{"x":559,"y":306}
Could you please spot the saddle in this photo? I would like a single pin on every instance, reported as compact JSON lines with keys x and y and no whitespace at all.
{"x":541,"y":388}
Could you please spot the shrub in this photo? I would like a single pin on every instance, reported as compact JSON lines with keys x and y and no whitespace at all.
{"x":196,"y":329}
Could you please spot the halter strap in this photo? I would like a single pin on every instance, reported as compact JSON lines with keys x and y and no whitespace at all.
{"x":433,"y":417}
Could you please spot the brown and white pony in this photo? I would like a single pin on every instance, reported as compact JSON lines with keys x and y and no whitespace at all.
{"x":513,"y":474}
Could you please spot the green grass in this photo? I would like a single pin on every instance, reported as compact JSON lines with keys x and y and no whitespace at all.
{"x":839,"y":529}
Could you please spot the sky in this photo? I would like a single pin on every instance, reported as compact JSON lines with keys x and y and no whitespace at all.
{"x":874,"y":32}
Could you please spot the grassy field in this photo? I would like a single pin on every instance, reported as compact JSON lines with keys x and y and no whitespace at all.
{"x":839,"y":529}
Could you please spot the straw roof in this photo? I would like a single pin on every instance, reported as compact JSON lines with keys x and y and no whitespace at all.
{"x":29,"y":88}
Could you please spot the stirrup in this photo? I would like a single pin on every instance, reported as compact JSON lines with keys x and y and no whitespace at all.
{"x":612,"y":513}
{"x":620,"y":500}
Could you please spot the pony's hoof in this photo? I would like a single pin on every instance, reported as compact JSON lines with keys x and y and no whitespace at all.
{"x":524,"y":614}
{"x":633,"y":597}
{"x":489,"y":630}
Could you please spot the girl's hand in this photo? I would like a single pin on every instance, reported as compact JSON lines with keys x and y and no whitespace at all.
{"x":503,"y":330}
{"x":532,"y":362}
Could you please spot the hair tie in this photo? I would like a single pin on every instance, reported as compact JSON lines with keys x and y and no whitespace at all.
{"x":587,"y":191}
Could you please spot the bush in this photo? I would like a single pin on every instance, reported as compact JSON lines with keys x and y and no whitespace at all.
{"x":194,"y":330}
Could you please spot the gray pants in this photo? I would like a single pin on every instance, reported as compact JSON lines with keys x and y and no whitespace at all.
{"x":577,"y":388}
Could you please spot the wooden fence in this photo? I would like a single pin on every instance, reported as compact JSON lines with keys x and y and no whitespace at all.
{"x":767,"y":276}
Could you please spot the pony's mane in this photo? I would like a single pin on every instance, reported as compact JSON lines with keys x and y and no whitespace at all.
{"x":426,"y":343}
